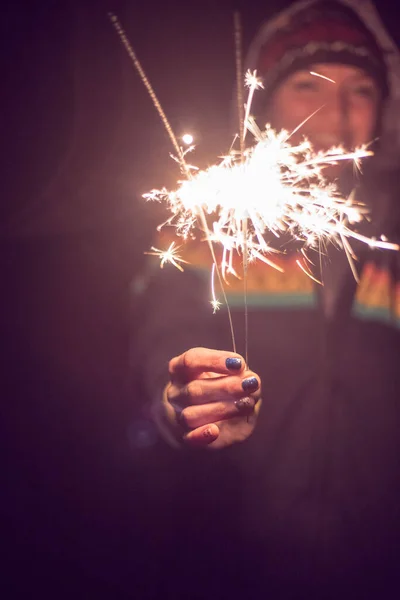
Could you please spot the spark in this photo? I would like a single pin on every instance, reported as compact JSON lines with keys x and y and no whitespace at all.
{"x":169,"y":256}
{"x":307,"y":272}
{"x":253,"y":83}
{"x":187,"y":139}
{"x":215,"y":303}
{"x":322,"y":76}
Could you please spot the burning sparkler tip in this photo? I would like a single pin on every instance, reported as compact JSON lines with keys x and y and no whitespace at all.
{"x":187,"y":139}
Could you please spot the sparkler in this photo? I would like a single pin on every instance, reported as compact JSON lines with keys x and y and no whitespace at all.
{"x":278,"y":189}
{"x":261,"y":192}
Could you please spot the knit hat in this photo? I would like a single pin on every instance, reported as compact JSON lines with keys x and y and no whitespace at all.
{"x":325,"y":32}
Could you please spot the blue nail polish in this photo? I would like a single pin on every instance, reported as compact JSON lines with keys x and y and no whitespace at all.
{"x":250,"y":384}
{"x":233,"y":363}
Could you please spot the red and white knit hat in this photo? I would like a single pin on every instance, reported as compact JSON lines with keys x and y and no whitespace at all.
{"x":325,"y":32}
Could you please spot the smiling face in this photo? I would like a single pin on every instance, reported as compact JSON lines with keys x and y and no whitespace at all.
{"x":347,"y":110}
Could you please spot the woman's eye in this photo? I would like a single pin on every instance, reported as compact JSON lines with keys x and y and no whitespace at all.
{"x":305,"y":85}
{"x":364,"y":91}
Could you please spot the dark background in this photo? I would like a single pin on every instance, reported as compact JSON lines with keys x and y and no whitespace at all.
{"x":84,"y":477}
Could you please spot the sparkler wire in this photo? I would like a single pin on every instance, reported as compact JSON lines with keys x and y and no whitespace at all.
{"x":180,"y":154}
{"x":239,"y":78}
{"x":132,"y":55}
{"x":242,"y":134}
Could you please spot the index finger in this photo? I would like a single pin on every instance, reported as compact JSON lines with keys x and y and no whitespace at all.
{"x":195,"y":361}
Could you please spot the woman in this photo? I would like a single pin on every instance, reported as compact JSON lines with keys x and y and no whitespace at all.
{"x":317,"y":481}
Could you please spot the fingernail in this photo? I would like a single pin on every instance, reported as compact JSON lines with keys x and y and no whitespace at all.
{"x":250,"y":384}
{"x":208,"y":433}
{"x":233,"y":363}
{"x":244,"y":405}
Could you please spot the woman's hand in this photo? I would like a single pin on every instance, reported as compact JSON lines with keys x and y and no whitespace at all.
{"x":211,"y":399}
